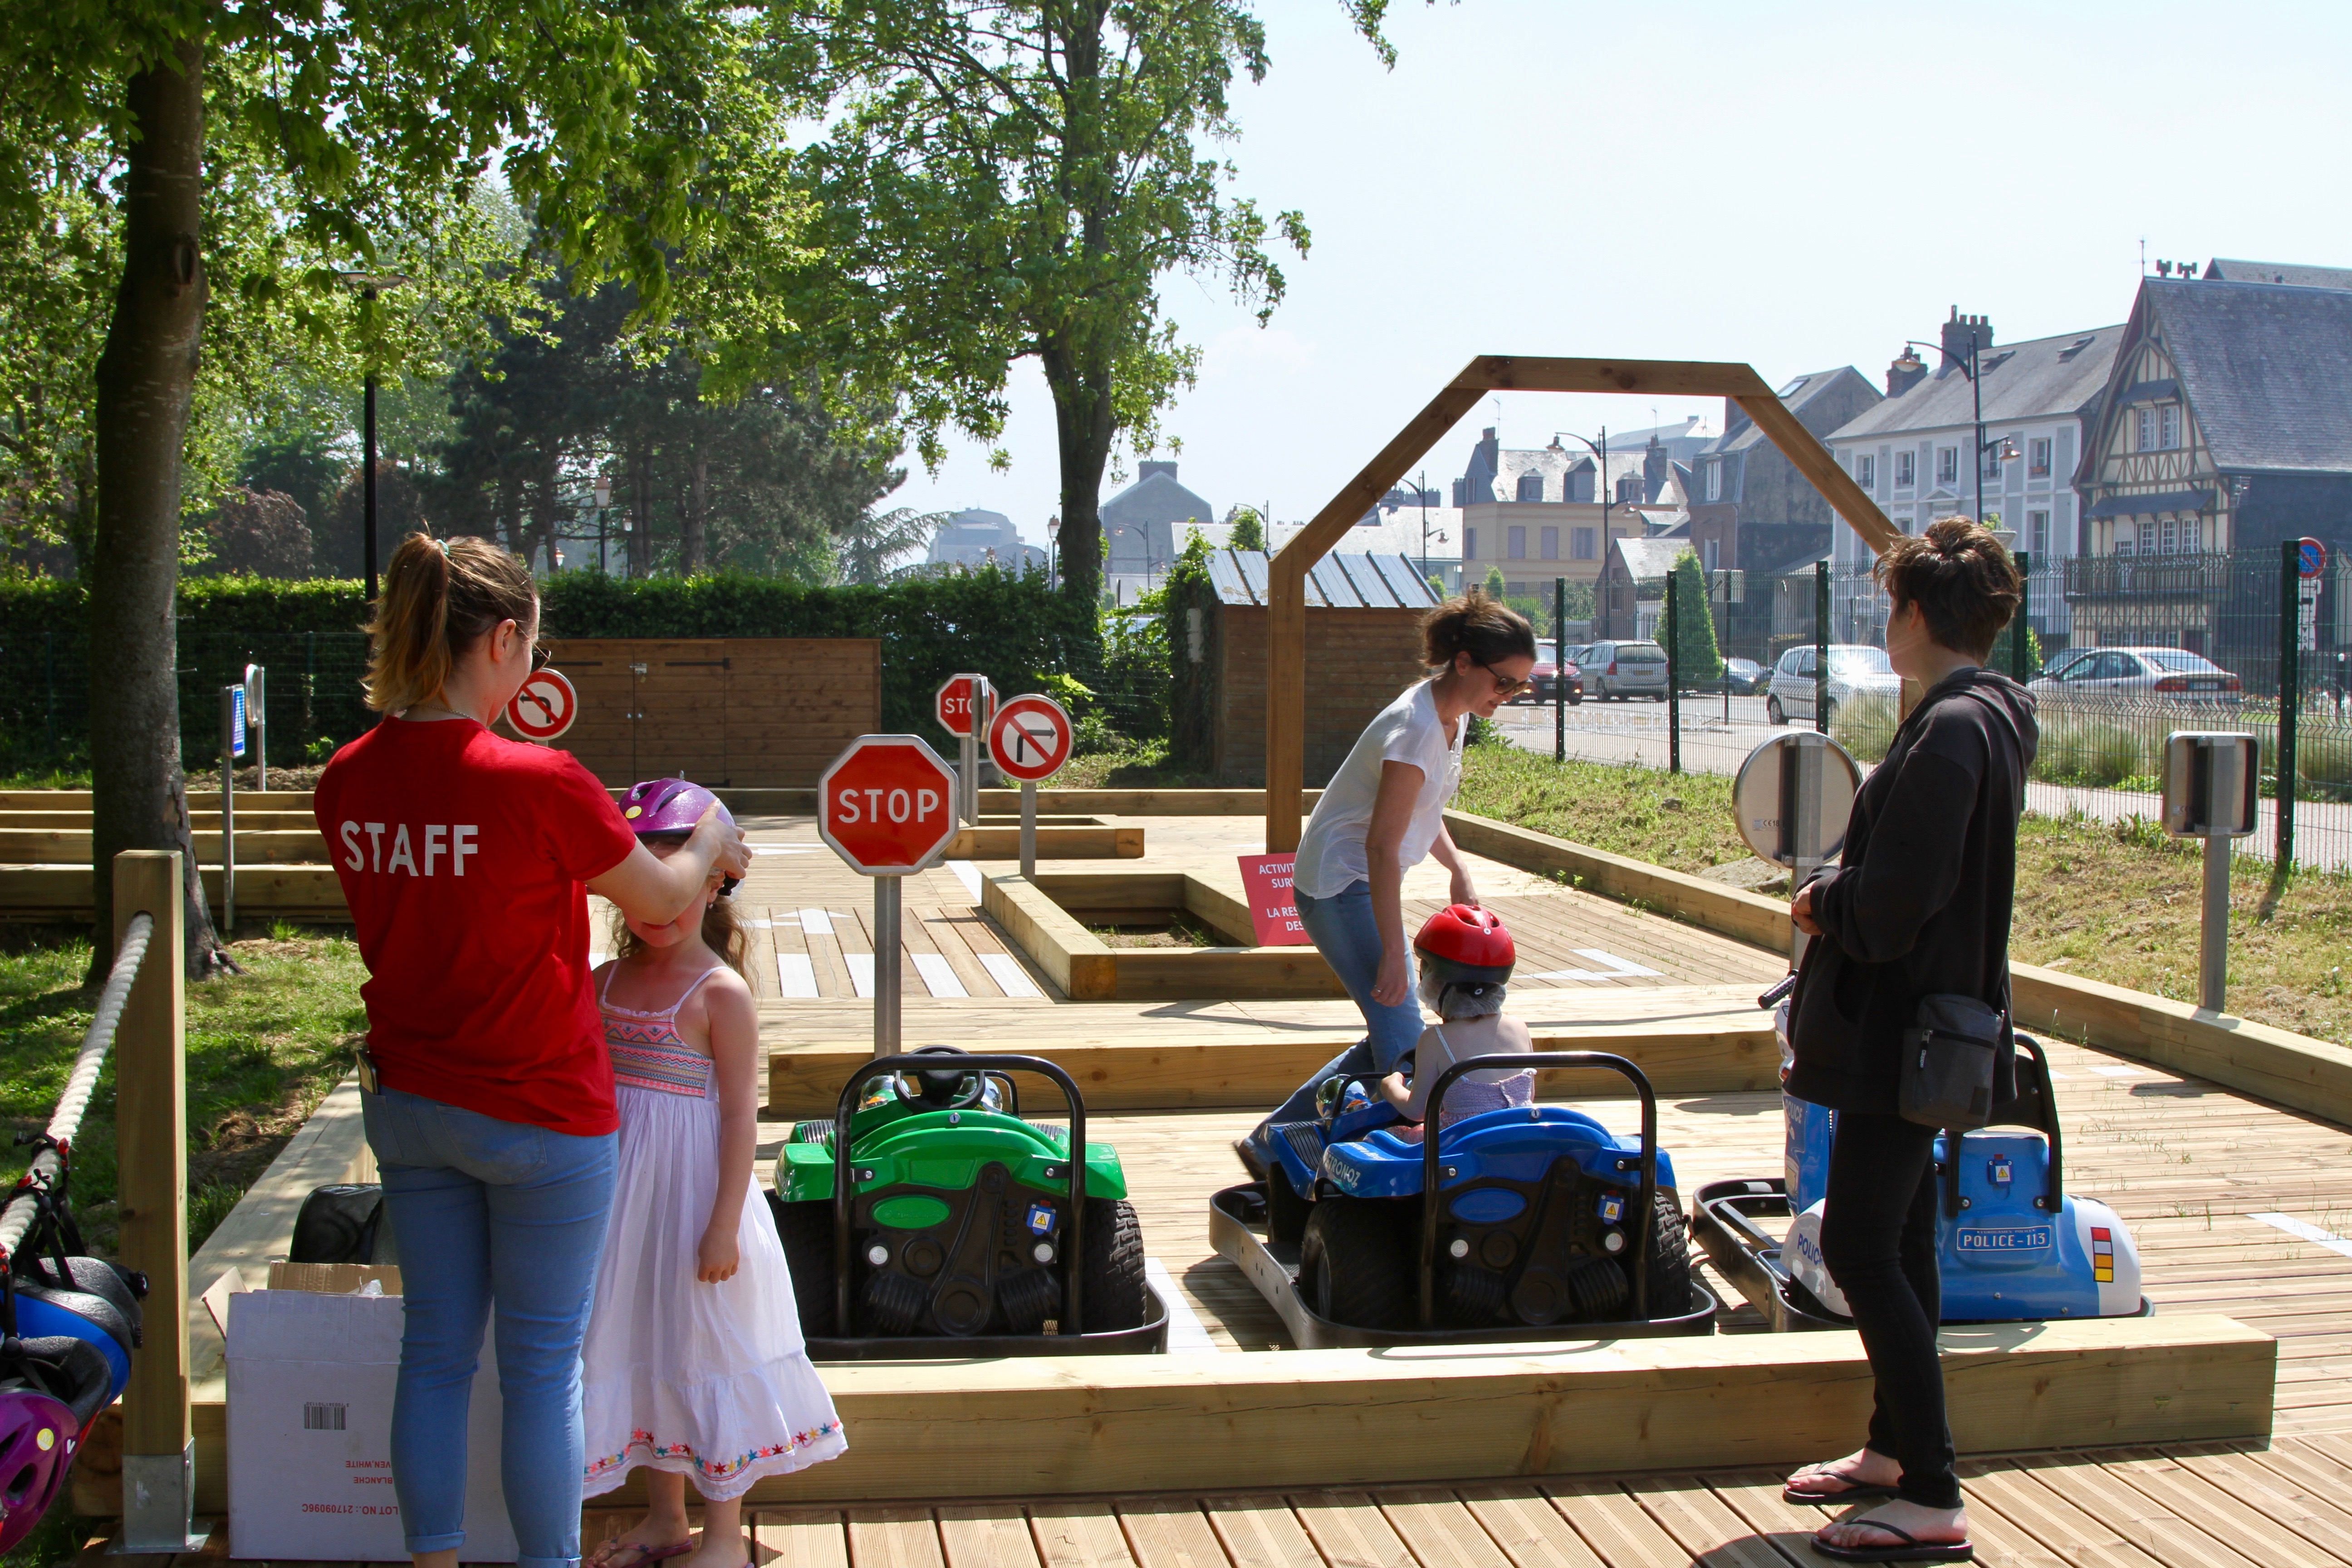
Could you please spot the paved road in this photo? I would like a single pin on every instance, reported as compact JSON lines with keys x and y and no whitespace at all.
{"x":1636,"y":732}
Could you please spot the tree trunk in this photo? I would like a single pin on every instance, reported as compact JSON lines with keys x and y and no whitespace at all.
{"x":690,"y":545}
{"x":146,"y":377}
{"x":1084,"y":429}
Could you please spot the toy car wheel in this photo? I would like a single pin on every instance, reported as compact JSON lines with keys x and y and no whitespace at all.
{"x":1352,"y":1266}
{"x":1286,"y":1212}
{"x":1118,"y":1294}
{"x":806,"y":1231}
{"x":1669,"y":1257}
{"x":1774,"y":711}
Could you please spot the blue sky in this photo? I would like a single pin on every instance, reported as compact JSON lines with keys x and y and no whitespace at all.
{"x":1795,"y":185}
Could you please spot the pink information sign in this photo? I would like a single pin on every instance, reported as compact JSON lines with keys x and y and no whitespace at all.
{"x":1266,"y":880}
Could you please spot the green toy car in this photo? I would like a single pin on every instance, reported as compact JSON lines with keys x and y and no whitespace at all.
{"x":927,"y":1218}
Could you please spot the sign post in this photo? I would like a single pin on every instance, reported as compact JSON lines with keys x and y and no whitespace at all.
{"x":1792,"y":798}
{"x":257,"y":713}
{"x":545,"y":707}
{"x":232,"y":752}
{"x":2212,"y":785}
{"x":2310,"y":570}
{"x":1030,"y":739}
{"x":963,"y":703}
{"x":887,"y":805}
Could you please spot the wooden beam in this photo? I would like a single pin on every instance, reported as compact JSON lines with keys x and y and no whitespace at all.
{"x":151,"y":1123}
{"x":1820,"y":466}
{"x":1653,"y":378}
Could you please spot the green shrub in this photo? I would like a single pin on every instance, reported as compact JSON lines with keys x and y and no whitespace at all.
{"x":1864,"y":724}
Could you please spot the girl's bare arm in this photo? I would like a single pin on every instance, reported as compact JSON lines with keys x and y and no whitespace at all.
{"x":735,"y":1056}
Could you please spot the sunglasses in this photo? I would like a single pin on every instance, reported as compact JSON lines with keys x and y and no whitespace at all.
{"x":541,"y":655}
{"x":1504,"y":684}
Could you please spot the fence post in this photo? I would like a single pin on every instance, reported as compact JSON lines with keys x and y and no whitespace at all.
{"x":2020,"y":635}
{"x":2290,"y":700}
{"x":151,"y":1123}
{"x":1560,"y":669}
{"x":1821,"y":647}
{"x":1674,"y":679}
{"x":49,"y":691}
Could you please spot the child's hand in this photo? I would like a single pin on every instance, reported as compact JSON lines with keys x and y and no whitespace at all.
{"x":717,"y":1258}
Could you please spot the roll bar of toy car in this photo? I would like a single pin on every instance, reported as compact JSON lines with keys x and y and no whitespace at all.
{"x":1431,"y":1209}
{"x":2044,"y":1101}
{"x":1074,"y":1253}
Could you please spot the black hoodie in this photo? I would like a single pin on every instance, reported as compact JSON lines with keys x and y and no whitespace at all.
{"x":1921,"y":902}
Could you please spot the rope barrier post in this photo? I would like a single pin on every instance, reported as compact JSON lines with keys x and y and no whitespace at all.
{"x":151,"y":1119}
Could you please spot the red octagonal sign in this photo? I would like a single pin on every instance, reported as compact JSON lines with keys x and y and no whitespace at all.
{"x":887,"y":805}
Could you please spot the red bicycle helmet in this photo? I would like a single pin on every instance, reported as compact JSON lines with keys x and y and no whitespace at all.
{"x":1463,"y":945}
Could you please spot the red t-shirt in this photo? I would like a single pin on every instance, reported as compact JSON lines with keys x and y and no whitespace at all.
{"x":462,"y":857}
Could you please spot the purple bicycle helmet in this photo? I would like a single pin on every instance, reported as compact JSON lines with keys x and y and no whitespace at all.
{"x":669,"y":808}
{"x":50,"y":1391}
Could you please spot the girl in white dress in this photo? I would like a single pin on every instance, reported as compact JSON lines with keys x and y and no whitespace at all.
{"x":694,"y":1365}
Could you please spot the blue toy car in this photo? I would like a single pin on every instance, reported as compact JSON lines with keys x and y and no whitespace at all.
{"x":1550,"y":1221}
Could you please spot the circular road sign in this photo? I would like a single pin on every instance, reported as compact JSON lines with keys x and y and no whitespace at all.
{"x":1030,"y":737}
{"x":2310,"y":557}
{"x":1793,"y":797}
{"x":953,"y":703}
{"x":545,"y":706}
{"x":887,"y":805}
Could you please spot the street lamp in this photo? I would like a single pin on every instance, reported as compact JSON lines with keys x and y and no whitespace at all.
{"x":604,"y":493}
{"x":1054,"y":550}
{"x":2007,"y":445}
{"x":368,"y":284}
{"x":1600,"y":488}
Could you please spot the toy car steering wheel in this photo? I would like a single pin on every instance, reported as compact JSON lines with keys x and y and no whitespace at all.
{"x":948,"y":1091}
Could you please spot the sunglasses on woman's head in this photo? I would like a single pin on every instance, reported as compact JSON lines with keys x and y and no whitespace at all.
{"x":541,"y":655}
{"x":1504,"y":684}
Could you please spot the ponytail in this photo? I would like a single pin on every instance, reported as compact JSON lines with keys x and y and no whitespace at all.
{"x":1487,"y":629}
{"x":439,"y":598}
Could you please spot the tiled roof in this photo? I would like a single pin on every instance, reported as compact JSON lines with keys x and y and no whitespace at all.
{"x":1794,"y":396}
{"x":1647,"y":559}
{"x":2226,"y":269}
{"x":2267,"y":368}
{"x":2032,"y":380}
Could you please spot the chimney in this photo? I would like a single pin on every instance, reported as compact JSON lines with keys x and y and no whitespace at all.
{"x":1654,"y":469}
{"x":1144,"y":470}
{"x":1960,"y":332}
{"x":1906,"y":372}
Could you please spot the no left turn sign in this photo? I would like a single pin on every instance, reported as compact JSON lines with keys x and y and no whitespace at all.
{"x":545,"y":706}
{"x":1030,"y":737}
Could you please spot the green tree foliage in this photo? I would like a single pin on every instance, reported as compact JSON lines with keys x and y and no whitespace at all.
{"x":1493,"y":584}
{"x":1009,"y":178}
{"x":1697,"y":660}
{"x":1248,"y":530}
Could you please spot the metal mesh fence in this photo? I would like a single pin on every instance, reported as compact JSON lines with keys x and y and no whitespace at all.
{"x":2119,"y":652}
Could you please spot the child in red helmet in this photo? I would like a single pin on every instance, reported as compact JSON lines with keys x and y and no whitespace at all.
{"x":1465,"y":960}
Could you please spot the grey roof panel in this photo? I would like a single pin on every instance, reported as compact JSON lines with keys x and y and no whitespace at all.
{"x":2263,"y":366}
{"x":2223,"y":268}
{"x":2021,"y":381}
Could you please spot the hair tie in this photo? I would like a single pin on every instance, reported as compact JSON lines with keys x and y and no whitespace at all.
{"x":442,"y":545}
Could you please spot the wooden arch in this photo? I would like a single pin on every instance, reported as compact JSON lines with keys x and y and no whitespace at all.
{"x":1285,"y":707}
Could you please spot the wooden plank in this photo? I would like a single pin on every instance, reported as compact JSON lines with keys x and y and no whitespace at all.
{"x":1349,"y":1531}
{"x":2078,"y":1537}
{"x":894,"y":1538}
{"x":2137,"y":1515}
{"x":1072,"y":956}
{"x":2281,"y":1482}
{"x":1439,"y":1530}
{"x":1530,"y":1531}
{"x":2236,"y":1516}
{"x":799,"y":1538}
{"x":1078,"y":1535}
{"x":1615,"y":1526}
{"x":987,"y":1535}
{"x":1170,"y":1533}
{"x":1703,"y":1524}
{"x":151,"y":1121}
{"x":1261,"y":1532}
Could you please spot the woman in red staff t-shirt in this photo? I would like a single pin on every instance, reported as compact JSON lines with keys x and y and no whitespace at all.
{"x":464,"y":857}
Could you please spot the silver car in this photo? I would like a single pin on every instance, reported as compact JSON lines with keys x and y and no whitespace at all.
{"x":1614,"y":671}
{"x":2171,"y":673}
{"x":1856,"y":669}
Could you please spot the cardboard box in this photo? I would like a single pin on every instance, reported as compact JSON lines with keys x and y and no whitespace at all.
{"x":311,"y":1368}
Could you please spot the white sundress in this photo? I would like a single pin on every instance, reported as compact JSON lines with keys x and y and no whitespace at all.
{"x":712,"y":1381}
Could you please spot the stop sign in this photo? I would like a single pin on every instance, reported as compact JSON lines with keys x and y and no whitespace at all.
{"x":953,"y":703}
{"x":887,"y":805}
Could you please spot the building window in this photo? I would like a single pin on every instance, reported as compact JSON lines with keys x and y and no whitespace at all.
{"x":1865,"y":471}
{"x":1518,"y":543}
{"x":2037,"y":457}
{"x":2037,"y":531}
{"x":2171,"y":536}
{"x":1948,"y":465}
{"x":1551,"y":544}
{"x":1991,"y":459}
{"x":1531,"y":486}
{"x":2156,"y":429}
{"x":1905,"y":471}
{"x":1469,"y":544}
{"x":2168,"y":427}
{"x":1715,"y":482}
{"x":1713,"y":553}
{"x":1580,"y":542}
{"x":2122,"y":539}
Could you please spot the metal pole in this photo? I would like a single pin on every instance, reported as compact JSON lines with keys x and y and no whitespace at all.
{"x":2290,"y":685}
{"x":2213,"y":955}
{"x":2020,"y":635}
{"x":228,"y":812}
{"x":1560,"y":669}
{"x":1976,"y":390}
{"x":1725,"y":650}
{"x":367,"y":483}
{"x":886,"y":966}
{"x":1029,"y":828}
{"x":1674,"y":679}
{"x":967,"y":776}
{"x":257,"y":700}
{"x":1821,"y":648}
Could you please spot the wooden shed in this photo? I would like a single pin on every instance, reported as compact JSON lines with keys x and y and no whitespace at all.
{"x":1363,"y":646}
{"x":750,"y":713}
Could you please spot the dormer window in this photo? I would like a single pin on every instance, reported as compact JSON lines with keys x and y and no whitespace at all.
{"x":1715,"y":482}
{"x":1531,"y":486}
{"x":2157,"y":428}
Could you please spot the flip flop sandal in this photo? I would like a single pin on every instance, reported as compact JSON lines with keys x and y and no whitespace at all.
{"x":1907,"y":1547}
{"x":1847,"y":1492}
{"x":634,"y":1554}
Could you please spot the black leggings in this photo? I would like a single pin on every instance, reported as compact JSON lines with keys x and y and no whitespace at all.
{"x":1878,"y":1239}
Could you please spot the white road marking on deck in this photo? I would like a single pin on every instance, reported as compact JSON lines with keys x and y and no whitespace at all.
{"x":968,"y":875}
{"x":2311,"y":1232}
{"x":816,"y":922}
{"x":1618,"y":968}
{"x":1184,"y":1329}
{"x":2115,"y":1071}
{"x":861,"y":972}
{"x":938,"y":974}
{"x":1006,"y":971}
{"x":796,"y":974}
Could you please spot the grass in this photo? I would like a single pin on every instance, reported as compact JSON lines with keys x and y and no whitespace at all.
{"x":1181,"y":931}
{"x":2118,"y":903}
{"x":263,"y":1049}
{"x":1129,"y":764}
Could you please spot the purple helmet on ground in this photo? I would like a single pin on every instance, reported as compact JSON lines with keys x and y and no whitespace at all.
{"x":669,"y":808}
{"x":50,"y":1392}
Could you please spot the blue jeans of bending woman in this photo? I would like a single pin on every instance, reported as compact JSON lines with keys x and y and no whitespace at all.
{"x":511,"y":1218}
{"x":1349,"y":939}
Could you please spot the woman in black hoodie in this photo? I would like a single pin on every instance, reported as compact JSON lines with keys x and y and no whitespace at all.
{"x":1920,"y":905}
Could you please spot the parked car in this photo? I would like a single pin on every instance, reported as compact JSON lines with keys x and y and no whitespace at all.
{"x":2164,"y":672}
{"x":1547,"y":675}
{"x":1856,"y":669}
{"x":1617,"y":670}
{"x":1745,"y":676}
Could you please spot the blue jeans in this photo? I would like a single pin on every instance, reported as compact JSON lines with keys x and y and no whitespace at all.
{"x":1350,"y":940}
{"x":490,"y":1213}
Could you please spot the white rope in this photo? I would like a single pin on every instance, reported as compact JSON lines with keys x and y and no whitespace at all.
{"x":16,"y":1216}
